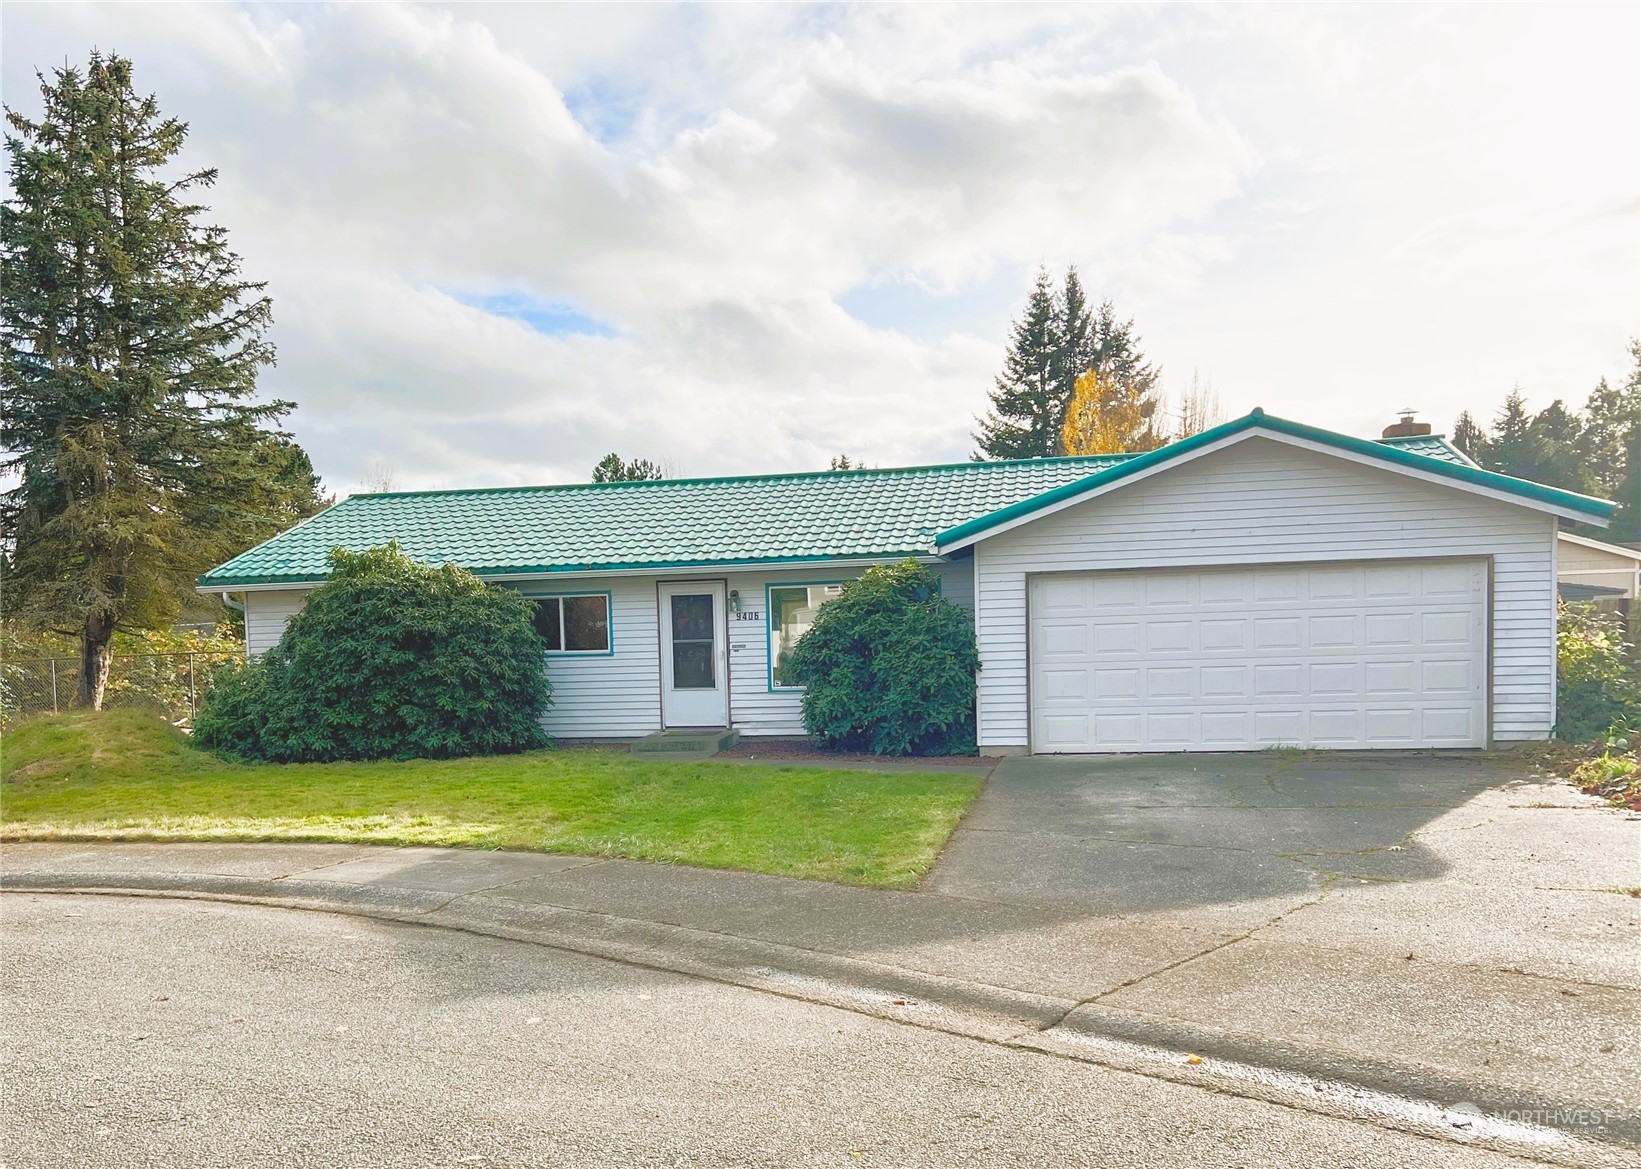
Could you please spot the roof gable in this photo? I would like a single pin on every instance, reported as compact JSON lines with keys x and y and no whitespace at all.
{"x":1463,"y":475}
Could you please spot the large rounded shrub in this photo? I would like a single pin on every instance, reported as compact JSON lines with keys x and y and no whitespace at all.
{"x":388,"y":659}
{"x":889,"y":666}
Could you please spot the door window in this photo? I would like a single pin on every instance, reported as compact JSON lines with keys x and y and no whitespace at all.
{"x":693,"y":667}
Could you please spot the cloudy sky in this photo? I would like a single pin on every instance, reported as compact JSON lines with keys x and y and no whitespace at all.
{"x":502,"y":241}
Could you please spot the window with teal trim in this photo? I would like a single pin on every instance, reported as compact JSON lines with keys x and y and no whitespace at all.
{"x":792,"y":610}
{"x":574,"y":624}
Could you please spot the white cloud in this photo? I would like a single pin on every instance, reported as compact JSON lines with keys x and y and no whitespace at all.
{"x":1305,"y":204}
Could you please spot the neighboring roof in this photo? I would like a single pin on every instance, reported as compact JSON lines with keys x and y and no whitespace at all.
{"x":1463,"y":474}
{"x":1431,"y":446}
{"x":1615,"y":549}
{"x":672,"y":523}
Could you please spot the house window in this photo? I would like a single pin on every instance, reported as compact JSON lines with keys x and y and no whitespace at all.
{"x":792,"y":610}
{"x":574,"y":624}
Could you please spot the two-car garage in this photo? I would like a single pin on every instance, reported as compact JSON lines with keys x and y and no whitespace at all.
{"x":1340,"y":655}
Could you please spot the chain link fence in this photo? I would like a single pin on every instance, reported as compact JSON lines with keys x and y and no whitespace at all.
{"x":171,"y":684}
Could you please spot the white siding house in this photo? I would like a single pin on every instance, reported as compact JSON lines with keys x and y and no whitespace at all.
{"x":1264,"y":583}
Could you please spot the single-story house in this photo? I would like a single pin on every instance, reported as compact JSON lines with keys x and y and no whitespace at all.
{"x":1262,"y":583}
{"x":1589,"y":570}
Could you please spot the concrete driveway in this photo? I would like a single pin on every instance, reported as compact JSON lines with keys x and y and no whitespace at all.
{"x":1130,"y":834}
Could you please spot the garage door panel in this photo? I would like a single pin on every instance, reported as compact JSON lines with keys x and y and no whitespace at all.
{"x":1169,"y":636}
{"x":1449,"y":724}
{"x":1165,"y":682}
{"x":1389,"y":679}
{"x":1445,"y":629}
{"x":1071,"y":684}
{"x":1279,"y":681}
{"x":1384,"y":630}
{"x":1447,"y":676}
{"x":1116,"y":592}
{"x":1224,"y":588}
{"x":1334,"y":679}
{"x":1224,"y":681}
{"x":1445,"y":581}
{"x":1064,"y":639}
{"x":1393,"y":726}
{"x":1335,"y":631}
{"x":1117,"y":638}
{"x":1332,"y":655}
{"x":1277,"y":633}
{"x":1332,"y":587}
{"x":1226,"y":730}
{"x":1229,"y":633}
{"x":1065,"y":596}
{"x":1117,"y":732}
{"x":1110,"y":684}
{"x":1065,"y":730}
{"x":1335,"y":727}
{"x":1273,"y":728}
{"x":1171,"y":729}
{"x":1281,"y":585}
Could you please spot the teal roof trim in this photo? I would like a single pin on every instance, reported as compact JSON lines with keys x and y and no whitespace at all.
{"x":1259,"y":420}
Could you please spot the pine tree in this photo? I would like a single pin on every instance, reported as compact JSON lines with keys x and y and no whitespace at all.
{"x":1553,"y":440}
{"x":611,"y":469}
{"x":1469,"y":437}
{"x":1054,"y":344}
{"x":1509,"y":447}
{"x":129,"y":348}
{"x":1026,"y":410}
{"x":1619,"y":465}
{"x":1076,"y":350}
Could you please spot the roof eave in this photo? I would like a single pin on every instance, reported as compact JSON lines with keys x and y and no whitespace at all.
{"x":631,"y":568}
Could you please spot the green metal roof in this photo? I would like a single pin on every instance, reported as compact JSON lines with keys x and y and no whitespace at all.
{"x":672,"y":523}
{"x":1432,"y":446}
{"x":1465,"y":472}
{"x":765,"y":519}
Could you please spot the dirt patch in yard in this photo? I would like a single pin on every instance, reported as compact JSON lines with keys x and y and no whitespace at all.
{"x":800,"y":750}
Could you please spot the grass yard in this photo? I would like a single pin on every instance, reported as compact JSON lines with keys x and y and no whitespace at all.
{"x":126,"y":775}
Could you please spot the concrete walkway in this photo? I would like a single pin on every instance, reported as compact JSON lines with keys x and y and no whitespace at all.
{"x":1497,"y":965}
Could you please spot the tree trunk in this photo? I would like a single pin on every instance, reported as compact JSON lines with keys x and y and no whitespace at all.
{"x":96,"y":655}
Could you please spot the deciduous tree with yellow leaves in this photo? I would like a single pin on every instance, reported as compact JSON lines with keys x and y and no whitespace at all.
{"x":1110,"y":416}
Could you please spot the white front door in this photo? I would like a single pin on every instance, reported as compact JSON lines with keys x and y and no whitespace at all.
{"x":694,"y":656}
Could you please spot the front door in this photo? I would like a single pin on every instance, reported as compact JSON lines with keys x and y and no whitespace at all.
{"x":694,"y":656}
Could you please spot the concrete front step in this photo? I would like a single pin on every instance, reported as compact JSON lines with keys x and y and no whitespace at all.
{"x":690,"y":743}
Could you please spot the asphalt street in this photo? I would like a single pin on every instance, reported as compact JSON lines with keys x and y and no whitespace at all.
{"x":145,"y":1032}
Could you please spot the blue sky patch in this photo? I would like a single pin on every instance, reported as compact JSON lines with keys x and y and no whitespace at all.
{"x":551,"y":318}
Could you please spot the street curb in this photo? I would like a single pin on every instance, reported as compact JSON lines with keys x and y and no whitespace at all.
{"x":1622,"y":1122}
{"x":975,"y":1010}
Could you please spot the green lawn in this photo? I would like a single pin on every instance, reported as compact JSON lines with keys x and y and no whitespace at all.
{"x":125,"y":775}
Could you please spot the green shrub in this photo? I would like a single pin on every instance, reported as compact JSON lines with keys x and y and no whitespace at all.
{"x":889,"y":667}
{"x":388,"y":659}
{"x":1596,"y":687}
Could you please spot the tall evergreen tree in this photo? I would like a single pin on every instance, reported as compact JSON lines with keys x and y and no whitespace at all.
{"x":1469,"y":437}
{"x":1056,"y":342}
{"x":1076,"y":352}
{"x":1026,"y":409}
{"x":1618,"y":461}
{"x":129,"y":348}
{"x":1509,"y":446}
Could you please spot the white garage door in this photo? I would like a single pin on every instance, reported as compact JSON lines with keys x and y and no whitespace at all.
{"x":1329,"y":655}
